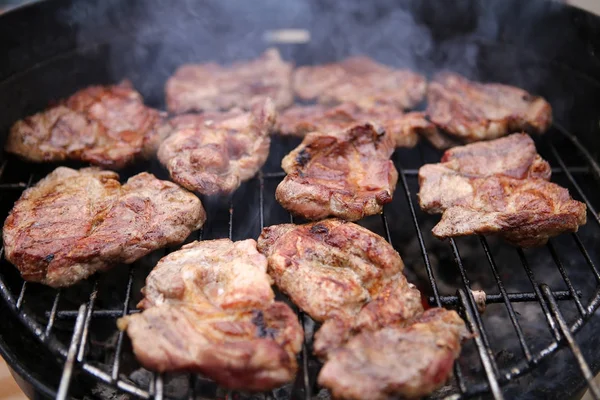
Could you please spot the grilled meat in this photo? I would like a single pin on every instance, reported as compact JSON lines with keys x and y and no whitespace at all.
{"x":74,"y":223}
{"x":473,"y":111}
{"x":394,"y":361}
{"x":214,"y":153}
{"x":404,"y":128}
{"x":498,"y":187}
{"x":213,"y":87}
{"x":360,"y":80}
{"x":341,"y":274}
{"x":104,"y":125}
{"x":346,"y":174}
{"x":209,"y":308}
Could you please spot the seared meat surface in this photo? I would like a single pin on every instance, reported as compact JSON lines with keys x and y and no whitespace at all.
{"x":209,"y":308}
{"x":340,"y":274}
{"x":213,"y":153}
{"x":360,"y":80}
{"x":213,"y":87}
{"x":472,"y":111}
{"x":404,"y":128}
{"x":346,"y":174}
{"x":104,"y":125}
{"x":409,"y":361}
{"x":76,"y":222}
{"x":498,"y":187}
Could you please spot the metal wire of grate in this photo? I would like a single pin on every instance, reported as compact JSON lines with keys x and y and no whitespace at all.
{"x":74,"y":355}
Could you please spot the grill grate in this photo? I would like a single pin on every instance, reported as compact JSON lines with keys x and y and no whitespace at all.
{"x":74,"y":352}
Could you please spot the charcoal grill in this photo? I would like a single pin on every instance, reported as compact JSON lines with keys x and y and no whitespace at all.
{"x":535,"y":340}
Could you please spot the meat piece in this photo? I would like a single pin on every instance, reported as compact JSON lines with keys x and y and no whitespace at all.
{"x":104,"y":125}
{"x":214,"y":153}
{"x":360,"y":80}
{"x":213,"y":87}
{"x":410,"y":362}
{"x":498,"y":187}
{"x":473,"y":111}
{"x":346,"y":174}
{"x":76,"y":222}
{"x":404,"y":128}
{"x":341,"y":274}
{"x":209,"y":308}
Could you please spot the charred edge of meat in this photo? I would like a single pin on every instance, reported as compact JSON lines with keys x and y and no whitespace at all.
{"x":319,"y":229}
{"x":262,"y":331}
{"x":303,"y":158}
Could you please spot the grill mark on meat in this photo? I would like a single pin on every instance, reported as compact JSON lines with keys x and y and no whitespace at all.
{"x":262,"y":330}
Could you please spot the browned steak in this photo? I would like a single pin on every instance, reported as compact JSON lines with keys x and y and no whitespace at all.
{"x":346,"y":174}
{"x":410,"y":361}
{"x":472,"y":111}
{"x":215,"y":152}
{"x":404,"y":128}
{"x":360,"y":80}
{"x":104,"y":125}
{"x":340,"y":274}
{"x":498,"y":187}
{"x":213,"y":87}
{"x":74,"y":223}
{"x":209,"y":308}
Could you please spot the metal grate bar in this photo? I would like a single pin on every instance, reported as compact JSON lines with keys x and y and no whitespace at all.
{"x":158,"y":386}
{"x":561,"y":295}
{"x":538,"y":294}
{"x":571,"y":179}
{"x":595,"y":169}
{"x":566,"y":278}
{"x":88,"y":320}
{"x":506,"y":299}
{"x":65,"y":380}
{"x":304,"y":360}
{"x":476,"y":316}
{"x":21,"y":295}
{"x":586,"y":255}
{"x":430,"y":275}
{"x":52,"y":316}
{"x":119,"y":347}
{"x":564,"y":328}
{"x":486,"y":361}
{"x":261,"y":199}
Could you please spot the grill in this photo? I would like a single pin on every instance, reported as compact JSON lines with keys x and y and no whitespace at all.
{"x":71,"y":332}
{"x":537,"y":335}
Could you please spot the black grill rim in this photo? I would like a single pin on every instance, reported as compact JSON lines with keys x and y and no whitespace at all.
{"x":74,"y":356}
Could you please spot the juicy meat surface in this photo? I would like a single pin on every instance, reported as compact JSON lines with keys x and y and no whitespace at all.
{"x":213,"y":87}
{"x":213,"y":153}
{"x":409,"y":361}
{"x":76,"y":222}
{"x":360,"y":80}
{"x":107,"y":126}
{"x":498,"y":187}
{"x":346,"y":174}
{"x":473,"y":111}
{"x":404,"y":128}
{"x":340,"y":274}
{"x":209,"y":308}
